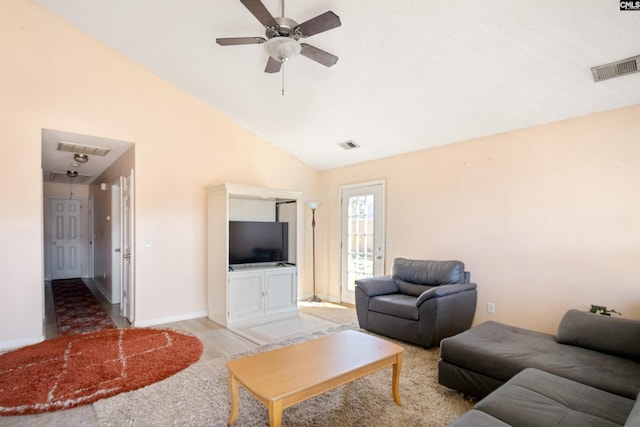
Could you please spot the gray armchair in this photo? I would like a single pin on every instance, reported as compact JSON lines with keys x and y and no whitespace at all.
{"x":422,"y":302}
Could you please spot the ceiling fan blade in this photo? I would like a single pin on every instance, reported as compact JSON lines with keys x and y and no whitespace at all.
{"x":318,"y":55}
{"x":320,"y":23}
{"x":260,"y":12}
{"x":231,"y":41}
{"x":273,"y":66}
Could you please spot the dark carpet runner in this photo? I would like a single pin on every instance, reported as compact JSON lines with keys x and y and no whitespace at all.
{"x":77,"y":310}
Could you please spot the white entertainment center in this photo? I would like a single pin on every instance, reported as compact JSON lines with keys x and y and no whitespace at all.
{"x":256,"y":292}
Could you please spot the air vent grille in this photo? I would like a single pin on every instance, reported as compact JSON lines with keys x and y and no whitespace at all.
{"x":616,"y":69}
{"x":82,"y":149}
{"x":56,"y":176}
{"x":348,"y":145}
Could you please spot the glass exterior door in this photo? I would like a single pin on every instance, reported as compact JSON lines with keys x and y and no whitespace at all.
{"x":362,"y":236}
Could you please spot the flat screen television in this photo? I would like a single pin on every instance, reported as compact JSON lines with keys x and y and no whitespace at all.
{"x":252,"y":242}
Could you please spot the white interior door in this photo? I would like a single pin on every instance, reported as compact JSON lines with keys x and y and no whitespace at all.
{"x":92,"y":238}
{"x":116,"y":243}
{"x":66,"y":238}
{"x":127,"y":248}
{"x":362,"y":228}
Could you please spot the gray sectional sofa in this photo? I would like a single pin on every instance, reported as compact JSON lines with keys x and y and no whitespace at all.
{"x":587,"y":374}
{"x":539,"y":399}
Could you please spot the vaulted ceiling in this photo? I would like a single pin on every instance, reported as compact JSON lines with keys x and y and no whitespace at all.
{"x":412,"y":74}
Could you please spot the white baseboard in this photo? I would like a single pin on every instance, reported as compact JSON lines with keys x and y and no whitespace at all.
{"x":170,"y":319}
{"x":10,"y":345}
{"x":322,"y":297}
{"x":99,"y":288}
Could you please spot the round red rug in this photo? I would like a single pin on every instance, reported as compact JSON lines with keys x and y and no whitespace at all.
{"x":76,"y":370}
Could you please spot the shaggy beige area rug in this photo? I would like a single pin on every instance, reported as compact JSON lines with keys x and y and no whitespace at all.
{"x":199,"y":396}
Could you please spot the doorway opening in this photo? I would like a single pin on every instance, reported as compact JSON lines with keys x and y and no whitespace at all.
{"x":77,"y":215}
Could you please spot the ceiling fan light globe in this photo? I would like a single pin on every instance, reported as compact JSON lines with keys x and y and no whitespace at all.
{"x":282,"y":48}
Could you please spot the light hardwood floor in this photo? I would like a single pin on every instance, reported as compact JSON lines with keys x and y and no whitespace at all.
{"x":217,"y":342}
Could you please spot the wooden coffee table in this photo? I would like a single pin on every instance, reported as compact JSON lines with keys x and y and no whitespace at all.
{"x":286,"y":376}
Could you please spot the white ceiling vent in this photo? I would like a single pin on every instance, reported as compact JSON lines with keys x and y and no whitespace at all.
{"x":82,"y":149}
{"x":348,"y":145}
{"x":616,"y":69}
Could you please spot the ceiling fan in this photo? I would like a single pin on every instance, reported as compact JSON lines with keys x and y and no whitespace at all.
{"x":283,"y":36}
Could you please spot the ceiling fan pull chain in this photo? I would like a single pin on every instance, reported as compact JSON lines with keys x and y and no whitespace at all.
{"x":283,"y":78}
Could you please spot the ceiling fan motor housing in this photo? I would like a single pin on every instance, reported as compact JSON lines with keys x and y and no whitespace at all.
{"x":286,"y":27}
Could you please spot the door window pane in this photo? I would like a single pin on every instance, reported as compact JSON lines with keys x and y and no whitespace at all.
{"x":360,"y":243}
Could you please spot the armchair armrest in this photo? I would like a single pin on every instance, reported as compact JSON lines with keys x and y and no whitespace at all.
{"x":444,"y":290}
{"x":380,"y":285}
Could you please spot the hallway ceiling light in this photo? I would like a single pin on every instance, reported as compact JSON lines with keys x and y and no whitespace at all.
{"x":81,"y":158}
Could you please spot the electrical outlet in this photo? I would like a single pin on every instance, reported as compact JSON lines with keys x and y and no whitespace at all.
{"x":491,"y":308}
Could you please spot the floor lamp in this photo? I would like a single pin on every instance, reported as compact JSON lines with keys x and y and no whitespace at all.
{"x":314,"y":206}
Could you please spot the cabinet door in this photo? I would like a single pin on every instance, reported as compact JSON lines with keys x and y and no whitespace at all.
{"x":246,"y":297}
{"x":282,"y":289}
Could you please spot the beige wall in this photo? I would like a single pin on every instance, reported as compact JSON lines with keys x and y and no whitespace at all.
{"x":546,"y":218}
{"x":55,"y":76}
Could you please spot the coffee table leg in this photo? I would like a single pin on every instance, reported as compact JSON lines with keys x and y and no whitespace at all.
{"x":275,"y":413}
{"x":395,"y":386}
{"x":235,"y":397}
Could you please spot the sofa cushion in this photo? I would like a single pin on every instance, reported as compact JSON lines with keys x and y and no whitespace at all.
{"x":431,"y":273}
{"x":537,"y":398}
{"x":398,"y":305}
{"x":412,"y":289}
{"x":608,"y":334}
{"x":501,"y":351}
{"x":475,"y":418}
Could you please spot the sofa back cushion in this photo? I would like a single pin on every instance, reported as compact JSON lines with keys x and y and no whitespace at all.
{"x":409,"y":288}
{"x":612,"y":335}
{"x":415,"y":276}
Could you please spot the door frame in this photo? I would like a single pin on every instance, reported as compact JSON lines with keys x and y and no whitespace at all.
{"x":382,"y":236}
{"x":116,"y":242}
{"x":127,"y":232}
{"x":91,"y":237}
